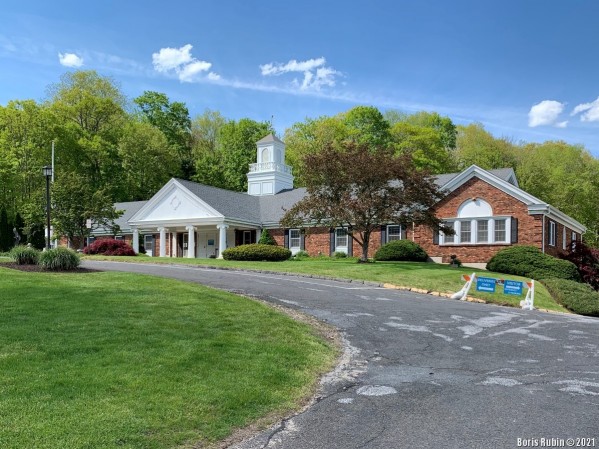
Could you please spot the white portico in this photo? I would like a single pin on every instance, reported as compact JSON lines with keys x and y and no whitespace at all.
{"x":181,"y":224}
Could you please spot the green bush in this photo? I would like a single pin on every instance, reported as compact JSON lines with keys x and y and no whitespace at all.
{"x":529,"y":261}
{"x":266,"y":238}
{"x":301,"y":255}
{"x":59,"y":259}
{"x":339,"y":255}
{"x":405,"y":250}
{"x":258,"y":252}
{"x":24,"y":255}
{"x":577,"y":297}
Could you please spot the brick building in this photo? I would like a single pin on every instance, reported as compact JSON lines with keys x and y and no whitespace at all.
{"x":487,"y":210}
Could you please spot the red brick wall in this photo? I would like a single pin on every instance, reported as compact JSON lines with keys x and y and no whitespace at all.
{"x":559,"y":244}
{"x":529,"y":226}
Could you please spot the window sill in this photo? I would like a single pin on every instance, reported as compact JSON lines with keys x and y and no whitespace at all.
{"x":476,"y":244}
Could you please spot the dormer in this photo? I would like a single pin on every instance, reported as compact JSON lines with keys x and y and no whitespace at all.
{"x":270,"y":174}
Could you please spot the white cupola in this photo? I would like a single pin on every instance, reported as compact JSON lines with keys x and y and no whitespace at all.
{"x":269,"y":175}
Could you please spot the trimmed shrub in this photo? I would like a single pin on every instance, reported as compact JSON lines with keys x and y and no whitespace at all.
{"x":586,"y":260}
{"x":266,"y":238}
{"x":530,"y":262}
{"x":401,"y":250}
{"x":577,"y":297}
{"x":24,"y":255}
{"x":257,"y":252}
{"x":339,"y":255}
{"x":109,"y":247}
{"x":59,"y":259}
{"x":301,"y":255}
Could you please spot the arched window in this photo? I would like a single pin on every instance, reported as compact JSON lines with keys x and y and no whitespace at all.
{"x":475,"y":208}
{"x":476,"y":224}
{"x":265,"y":157}
{"x":278,"y":156}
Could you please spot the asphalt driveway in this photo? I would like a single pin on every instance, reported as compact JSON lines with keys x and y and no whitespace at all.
{"x":428,"y":372}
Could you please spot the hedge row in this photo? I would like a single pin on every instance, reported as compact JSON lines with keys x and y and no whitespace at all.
{"x":257,"y":252}
{"x":529,"y":261}
{"x":575,"y":296}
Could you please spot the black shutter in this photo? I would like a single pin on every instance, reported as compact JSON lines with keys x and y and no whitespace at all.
{"x":383,"y":235}
{"x":404,"y":232}
{"x":286,"y":238}
{"x":436,"y":236}
{"x":331,"y":242}
{"x":514,"y":230}
{"x":302,"y":241}
{"x":350,"y":245}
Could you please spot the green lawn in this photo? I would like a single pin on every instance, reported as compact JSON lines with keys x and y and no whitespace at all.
{"x":429,"y":276}
{"x":117,"y":360}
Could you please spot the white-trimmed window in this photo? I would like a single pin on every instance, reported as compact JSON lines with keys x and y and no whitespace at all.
{"x":476,"y":224}
{"x":119,"y":237}
{"x":247,"y":237}
{"x":393,"y":232}
{"x":552,"y":233}
{"x":573,"y":244}
{"x":466,"y":231}
{"x":341,"y":238}
{"x":482,"y":231}
{"x":294,"y":239}
{"x":448,"y":239}
{"x":501,"y":230}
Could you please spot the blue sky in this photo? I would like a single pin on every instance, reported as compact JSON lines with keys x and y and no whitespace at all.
{"x":527,"y":70}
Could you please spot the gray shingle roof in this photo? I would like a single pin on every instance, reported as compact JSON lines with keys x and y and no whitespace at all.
{"x":270,"y":138}
{"x":237,"y":205}
{"x":129,"y":209}
{"x":272,"y":207}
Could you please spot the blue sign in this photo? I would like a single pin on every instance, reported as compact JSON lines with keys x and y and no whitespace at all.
{"x":513,"y":287}
{"x":485,"y":285}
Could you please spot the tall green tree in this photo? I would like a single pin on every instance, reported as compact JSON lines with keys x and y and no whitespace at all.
{"x":146,"y":159}
{"x":76,"y":201}
{"x":567,"y":177}
{"x":205,"y":134}
{"x":477,"y":146}
{"x":91,"y":114}
{"x":366,"y":125}
{"x":173,"y":119}
{"x":237,"y":144}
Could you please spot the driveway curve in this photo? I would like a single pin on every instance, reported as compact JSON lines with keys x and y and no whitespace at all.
{"x":428,"y":372}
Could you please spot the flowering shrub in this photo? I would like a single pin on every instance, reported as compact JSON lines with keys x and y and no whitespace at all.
{"x":109,"y":247}
{"x":586,"y":260}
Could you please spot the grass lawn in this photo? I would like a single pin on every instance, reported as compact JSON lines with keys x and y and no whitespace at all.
{"x":118,"y":360}
{"x":430,"y":276}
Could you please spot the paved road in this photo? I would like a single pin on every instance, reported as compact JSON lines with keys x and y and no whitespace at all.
{"x":427,"y":372}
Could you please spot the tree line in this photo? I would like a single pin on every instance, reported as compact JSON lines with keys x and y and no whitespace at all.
{"x":112,"y":149}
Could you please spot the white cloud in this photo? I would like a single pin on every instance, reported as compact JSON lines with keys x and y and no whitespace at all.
{"x":546,"y":113}
{"x":316,"y":75}
{"x":590,"y":111}
{"x":70,"y":60}
{"x":180,"y":61}
{"x":213,"y":76}
{"x":561,"y":124}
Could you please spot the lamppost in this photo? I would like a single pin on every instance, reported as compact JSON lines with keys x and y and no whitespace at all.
{"x":47,"y":171}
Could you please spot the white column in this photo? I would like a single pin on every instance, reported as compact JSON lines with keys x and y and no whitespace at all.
{"x":135,"y":241}
{"x":222,"y":239}
{"x":191,"y":242}
{"x":491,"y":230}
{"x":162,"y":242}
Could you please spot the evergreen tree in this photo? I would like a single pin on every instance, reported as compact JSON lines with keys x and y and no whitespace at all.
{"x":266,"y":238}
{"x":6,"y":234}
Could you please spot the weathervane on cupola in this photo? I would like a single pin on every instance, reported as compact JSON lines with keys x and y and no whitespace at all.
{"x":269,"y":175}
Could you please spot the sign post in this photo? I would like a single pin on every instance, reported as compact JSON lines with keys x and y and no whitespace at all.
{"x":488,"y":285}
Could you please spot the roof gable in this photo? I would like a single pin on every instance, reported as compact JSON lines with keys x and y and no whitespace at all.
{"x":174,"y":202}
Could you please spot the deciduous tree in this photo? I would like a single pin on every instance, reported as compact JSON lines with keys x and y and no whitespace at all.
{"x":361,"y":187}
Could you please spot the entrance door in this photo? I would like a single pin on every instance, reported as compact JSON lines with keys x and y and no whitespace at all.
{"x":149,"y":245}
{"x":206,"y":244}
{"x":182,"y":244}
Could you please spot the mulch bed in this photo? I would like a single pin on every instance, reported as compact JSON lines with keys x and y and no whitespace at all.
{"x":38,"y":269}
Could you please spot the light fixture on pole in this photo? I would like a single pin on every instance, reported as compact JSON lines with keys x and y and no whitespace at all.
{"x":47,"y":171}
